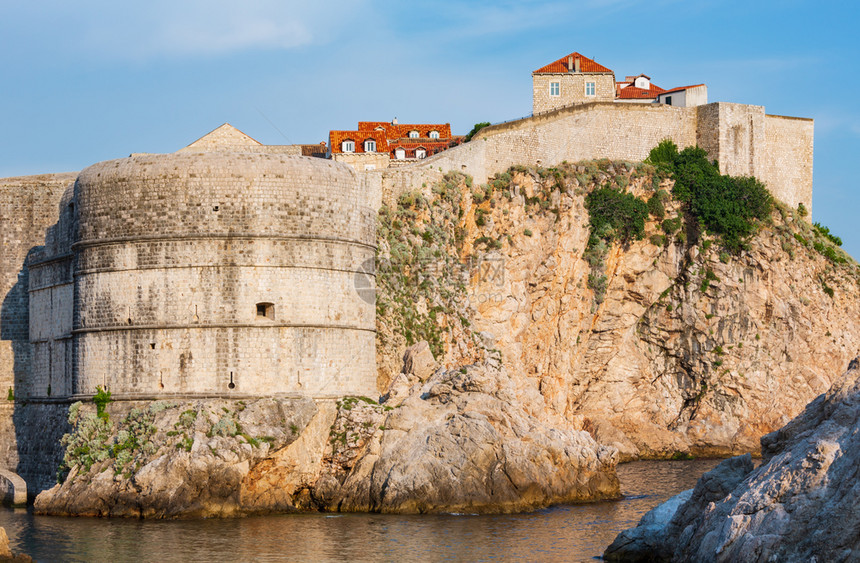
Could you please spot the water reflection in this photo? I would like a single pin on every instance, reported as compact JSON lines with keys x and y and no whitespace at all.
{"x":562,"y":533}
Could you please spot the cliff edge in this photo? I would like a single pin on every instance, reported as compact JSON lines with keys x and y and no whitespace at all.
{"x":800,"y":504}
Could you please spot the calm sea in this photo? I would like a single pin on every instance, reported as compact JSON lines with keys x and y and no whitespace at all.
{"x":561,"y":533}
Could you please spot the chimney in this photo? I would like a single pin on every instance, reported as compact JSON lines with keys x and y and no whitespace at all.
{"x":570,"y":63}
{"x":394,"y":121}
{"x":576,"y":66}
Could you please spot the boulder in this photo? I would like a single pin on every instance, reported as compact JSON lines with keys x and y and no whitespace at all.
{"x":801,"y":504}
{"x":465,"y":442}
{"x":5,"y":550}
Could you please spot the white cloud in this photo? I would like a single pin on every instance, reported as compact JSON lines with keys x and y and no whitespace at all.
{"x":180,"y":28}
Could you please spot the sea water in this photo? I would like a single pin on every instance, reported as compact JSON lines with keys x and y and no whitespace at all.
{"x":560,"y":533}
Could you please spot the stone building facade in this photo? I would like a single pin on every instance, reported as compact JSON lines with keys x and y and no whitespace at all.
{"x":573,"y":79}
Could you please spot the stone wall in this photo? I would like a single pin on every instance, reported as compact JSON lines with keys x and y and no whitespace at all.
{"x":571,"y":90}
{"x":222,"y":273}
{"x":742,"y":138}
{"x":361,"y":161}
{"x":38,"y":428}
{"x":28,"y":206}
{"x":788,"y":169}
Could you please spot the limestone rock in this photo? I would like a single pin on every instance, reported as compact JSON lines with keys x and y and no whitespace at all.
{"x":418,"y":361}
{"x":665,"y":363}
{"x":189,"y":459}
{"x":801,"y":504}
{"x":463,"y":442}
{"x":5,"y":550}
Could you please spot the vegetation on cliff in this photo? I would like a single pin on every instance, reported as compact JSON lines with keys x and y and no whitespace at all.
{"x":732,"y":208}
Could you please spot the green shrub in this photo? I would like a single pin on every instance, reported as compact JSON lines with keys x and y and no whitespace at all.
{"x":11,"y":395}
{"x":101,"y":399}
{"x":801,"y":210}
{"x":655,"y":205}
{"x":663,"y":157}
{"x":598,"y":283}
{"x":825,"y":232}
{"x":527,"y":232}
{"x":475,"y":129}
{"x":658,"y":240}
{"x":729,"y":207}
{"x":615,"y":215}
{"x":669,"y":226}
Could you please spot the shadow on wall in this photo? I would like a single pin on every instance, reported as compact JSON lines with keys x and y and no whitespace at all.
{"x":38,"y":423}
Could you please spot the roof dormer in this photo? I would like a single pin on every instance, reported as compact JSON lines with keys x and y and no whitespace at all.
{"x":642,"y":81}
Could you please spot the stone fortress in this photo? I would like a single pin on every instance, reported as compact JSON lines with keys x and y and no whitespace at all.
{"x":229,"y":268}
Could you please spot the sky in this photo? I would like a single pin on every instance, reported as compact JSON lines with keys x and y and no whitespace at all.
{"x":93,"y":80}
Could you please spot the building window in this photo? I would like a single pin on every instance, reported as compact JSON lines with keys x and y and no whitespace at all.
{"x":420,"y":153}
{"x":589,"y":89}
{"x":266,"y":311}
{"x":413,"y":134}
{"x":370,"y":145}
{"x":399,"y":154}
{"x":347,"y":146}
{"x":554,"y":89}
{"x":668,"y":100}
{"x":434,"y":134}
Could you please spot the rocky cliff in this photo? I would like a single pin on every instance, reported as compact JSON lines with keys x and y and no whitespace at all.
{"x":660,"y":346}
{"x":801,"y":504}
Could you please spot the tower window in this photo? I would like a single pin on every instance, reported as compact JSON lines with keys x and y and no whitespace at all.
{"x":554,"y":88}
{"x":434,"y":134}
{"x":413,"y":134}
{"x":370,"y":146}
{"x":347,"y":146}
{"x":265,"y":310}
{"x":589,"y":89}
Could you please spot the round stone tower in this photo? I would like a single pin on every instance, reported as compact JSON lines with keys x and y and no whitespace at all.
{"x":219,"y":274}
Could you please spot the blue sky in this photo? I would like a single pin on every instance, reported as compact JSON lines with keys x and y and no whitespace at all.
{"x":92,"y":80}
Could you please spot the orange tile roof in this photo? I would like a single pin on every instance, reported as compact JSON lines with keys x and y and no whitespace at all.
{"x":634,"y":93}
{"x":585,"y":65}
{"x":679,"y":88}
{"x":390,"y":134}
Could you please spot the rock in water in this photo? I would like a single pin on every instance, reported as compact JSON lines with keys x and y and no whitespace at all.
{"x":464,"y":441}
{"x":801,"y":504}
{"x":5,"y":550}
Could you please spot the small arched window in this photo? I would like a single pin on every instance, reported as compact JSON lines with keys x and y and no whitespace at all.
{"x":400,"y":154}
{"x":420,"y":153}
{"x":370,"y":145}
{"x":413,"y":134}
{"x":434,"y":134}
{"x":347,"y":146}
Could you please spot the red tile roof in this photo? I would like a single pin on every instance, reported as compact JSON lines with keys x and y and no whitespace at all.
{"x":390,"y":135}
{"x":679,"y":88}
{"x":585,"y":65}
{"x":634,"y":93}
